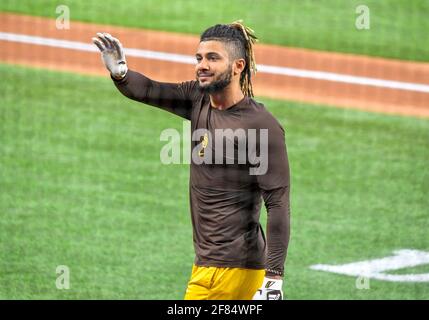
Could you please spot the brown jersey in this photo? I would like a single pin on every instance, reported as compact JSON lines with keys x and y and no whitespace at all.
{"x":225,"y":194}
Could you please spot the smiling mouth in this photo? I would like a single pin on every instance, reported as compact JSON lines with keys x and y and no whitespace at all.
{"x":204,"y":76}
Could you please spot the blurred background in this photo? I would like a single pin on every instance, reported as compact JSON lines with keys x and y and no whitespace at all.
{"x":87,"y":209}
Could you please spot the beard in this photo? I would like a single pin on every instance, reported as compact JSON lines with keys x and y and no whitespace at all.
{"x":219,"y":83}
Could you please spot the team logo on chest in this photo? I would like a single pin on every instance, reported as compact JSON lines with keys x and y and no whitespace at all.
{"x":204,"y":144}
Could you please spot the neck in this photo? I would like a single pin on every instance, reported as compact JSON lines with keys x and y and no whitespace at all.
{"x":226,"y":98}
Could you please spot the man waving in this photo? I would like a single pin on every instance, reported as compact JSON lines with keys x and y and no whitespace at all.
{"x":239,"y":157}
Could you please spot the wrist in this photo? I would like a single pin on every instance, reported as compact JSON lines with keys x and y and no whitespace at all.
{"x":120,"y":71}
{"x":274,"y":277}
{"x":274,"y":273}
{"x":118,"y":77}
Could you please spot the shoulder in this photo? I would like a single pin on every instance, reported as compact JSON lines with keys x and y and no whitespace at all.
{"x":262,"y":118}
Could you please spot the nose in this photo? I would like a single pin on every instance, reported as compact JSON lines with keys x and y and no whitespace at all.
{"x":202,"y":65}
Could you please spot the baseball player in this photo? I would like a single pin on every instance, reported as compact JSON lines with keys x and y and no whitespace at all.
{"x":233,"y":257}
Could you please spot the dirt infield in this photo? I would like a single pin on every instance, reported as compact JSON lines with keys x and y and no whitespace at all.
{"x":365,"y":97}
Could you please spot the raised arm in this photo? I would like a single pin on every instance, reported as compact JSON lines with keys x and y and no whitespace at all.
{"x":172,"y":97}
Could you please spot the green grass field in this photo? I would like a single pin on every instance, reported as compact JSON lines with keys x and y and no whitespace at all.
{"x":398,"y":29}
{"x":82,"y":186}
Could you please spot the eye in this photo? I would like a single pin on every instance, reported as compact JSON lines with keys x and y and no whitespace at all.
{"x":198,"y":58}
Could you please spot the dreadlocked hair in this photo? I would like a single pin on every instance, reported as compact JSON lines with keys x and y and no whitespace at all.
{"x":243,"y":38}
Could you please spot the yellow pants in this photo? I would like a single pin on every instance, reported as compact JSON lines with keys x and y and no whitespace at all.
{"x":213,"y":283}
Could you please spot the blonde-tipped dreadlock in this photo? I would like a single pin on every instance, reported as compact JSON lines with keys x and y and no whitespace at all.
{"x":244,"y":38}
{"x":251,"y":39}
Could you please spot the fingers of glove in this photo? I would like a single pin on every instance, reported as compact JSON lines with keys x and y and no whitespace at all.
{"x":106,"y":43}
{"x":111,"y":41}
{"x":115,"y":44}
{"x":118,"y":46}
{"x":98,"y":43}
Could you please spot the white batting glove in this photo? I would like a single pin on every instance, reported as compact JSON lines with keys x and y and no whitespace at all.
{"x":271,"y":289}
{"x":112,"y":54}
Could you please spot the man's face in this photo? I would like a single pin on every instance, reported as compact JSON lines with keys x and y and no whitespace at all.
{"x":213,"y":69}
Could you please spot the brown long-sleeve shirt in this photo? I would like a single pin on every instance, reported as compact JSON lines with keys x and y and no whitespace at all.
{"x":225,"y":197}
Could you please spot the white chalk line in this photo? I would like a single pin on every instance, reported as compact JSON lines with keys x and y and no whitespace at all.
{"x":378,"y":268}
{"x":187,"y":59}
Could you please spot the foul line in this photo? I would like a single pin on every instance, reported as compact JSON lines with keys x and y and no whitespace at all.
{"x":187,"y":59}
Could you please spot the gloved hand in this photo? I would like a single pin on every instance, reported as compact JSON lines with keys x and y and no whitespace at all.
{"x":112,"y":54}
{"x":271,"y":289}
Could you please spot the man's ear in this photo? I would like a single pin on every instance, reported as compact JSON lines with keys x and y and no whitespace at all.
{"x":239,"y":65}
